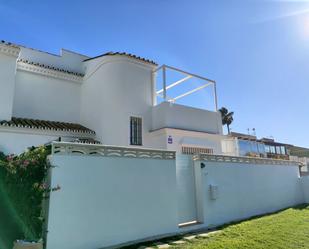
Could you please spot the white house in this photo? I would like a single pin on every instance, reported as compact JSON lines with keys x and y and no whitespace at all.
{"x":46,"y":97}
{"x":134,"y":178}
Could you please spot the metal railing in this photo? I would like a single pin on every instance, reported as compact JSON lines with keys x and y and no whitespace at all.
{"x":163,"y":92}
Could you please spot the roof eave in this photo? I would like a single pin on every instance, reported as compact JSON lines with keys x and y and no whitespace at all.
{"x":46,"y":132}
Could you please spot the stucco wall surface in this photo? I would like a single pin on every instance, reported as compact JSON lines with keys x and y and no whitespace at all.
{"x":170,"y":115}
{"x":47,"y":98}
{"x":305,"y":185}
{"x":174,"y":139}
{"x":16,"y":143}
{"x":105,"y":201}
{"x":246,"y":190}
{"x":7,"y":85}
{"x":113,"y":91}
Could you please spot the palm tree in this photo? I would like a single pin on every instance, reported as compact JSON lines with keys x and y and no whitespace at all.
{"x":227,"y":117}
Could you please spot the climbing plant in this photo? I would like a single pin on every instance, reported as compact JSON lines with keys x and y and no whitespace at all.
{"x":23,"y":184}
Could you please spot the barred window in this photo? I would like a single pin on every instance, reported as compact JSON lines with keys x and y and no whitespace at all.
{"x":135,"y":131}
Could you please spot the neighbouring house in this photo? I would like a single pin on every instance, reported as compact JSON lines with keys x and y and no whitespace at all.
{"x":275,"y":149}
{"x":250,"y":145}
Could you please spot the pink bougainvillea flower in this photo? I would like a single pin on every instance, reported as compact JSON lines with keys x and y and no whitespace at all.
{"x":10,"y":157}
{"x":26,"y":163}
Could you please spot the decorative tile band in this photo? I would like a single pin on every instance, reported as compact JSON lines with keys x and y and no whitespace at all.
{"x":64,"y":148}
{"x":235,"y":159}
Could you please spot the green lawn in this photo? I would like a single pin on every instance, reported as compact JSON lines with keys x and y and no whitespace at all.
{"x":285,"y":230}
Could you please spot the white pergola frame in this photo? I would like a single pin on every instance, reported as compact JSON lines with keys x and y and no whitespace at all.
{"x":162,"y":92}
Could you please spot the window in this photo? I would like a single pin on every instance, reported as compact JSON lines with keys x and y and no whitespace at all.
{"x":272,"y":149}
{"x":196,"y":150}
{"x":261,"y":148}
{"x":278,"y":150}
{"x":135,"y":131}
{"x":244,"y":147}
{"x":283,"y":152}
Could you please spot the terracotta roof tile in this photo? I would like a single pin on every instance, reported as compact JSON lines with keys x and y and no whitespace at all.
{"x":86,"y":141}
{"x":9,"y":44}
{"x":124,"y":54}
{"x":50,"y":67}
{"x":46,"y":125}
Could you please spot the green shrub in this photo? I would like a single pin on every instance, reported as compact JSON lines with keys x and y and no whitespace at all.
{"x":23,"y":182}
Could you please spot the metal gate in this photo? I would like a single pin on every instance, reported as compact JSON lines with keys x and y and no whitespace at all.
{"x":187,"y":209}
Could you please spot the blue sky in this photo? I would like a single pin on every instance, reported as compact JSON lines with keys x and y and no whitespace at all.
{"x":257,"y":51}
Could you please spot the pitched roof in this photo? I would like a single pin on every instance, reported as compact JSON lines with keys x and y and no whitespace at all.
{"x":124,"y":54}
{"x":45,"y":125}
{"x":50,"y":67}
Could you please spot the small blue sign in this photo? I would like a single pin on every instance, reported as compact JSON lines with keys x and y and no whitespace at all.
{"x":170,"y":140}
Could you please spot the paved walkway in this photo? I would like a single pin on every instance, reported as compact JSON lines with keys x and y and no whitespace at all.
{"x":166,"y":243}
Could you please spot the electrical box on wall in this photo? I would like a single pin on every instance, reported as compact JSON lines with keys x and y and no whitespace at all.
{"x":213,"y":191}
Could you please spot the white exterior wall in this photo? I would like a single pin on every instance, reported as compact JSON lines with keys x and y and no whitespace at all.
{"x":170,"y":115}
{"x":7,"y":85}
{"x":230,"y":146}
{"x":105,"y":201}
{"x":186,"y":138}
{"x":67,"y":60}
{"x":41,"y":97}
{"x":246,"y":190}
{"x":16,"y":143}
{"x":113,"y":90}
{"x":305,"y":185}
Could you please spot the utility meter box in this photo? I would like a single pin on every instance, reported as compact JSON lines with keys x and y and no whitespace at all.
{"x":213,"y":191}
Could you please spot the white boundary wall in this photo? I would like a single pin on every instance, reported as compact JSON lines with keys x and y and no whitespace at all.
{"x":245,"y":189}
{"x":108,"y":200}
{"x":113,"y":195}
{"x":305,"y":185}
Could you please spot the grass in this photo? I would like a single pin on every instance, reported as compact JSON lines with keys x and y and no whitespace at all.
{"x":287,"y":229}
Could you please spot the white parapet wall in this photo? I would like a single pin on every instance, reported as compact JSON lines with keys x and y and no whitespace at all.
{"x":236,"y":188}
{"x":110,"y":195}
{"x":171,"y":115}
